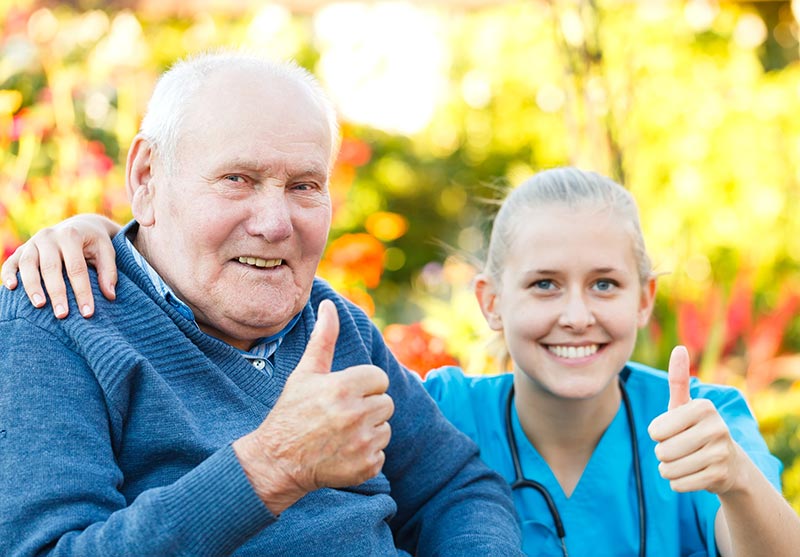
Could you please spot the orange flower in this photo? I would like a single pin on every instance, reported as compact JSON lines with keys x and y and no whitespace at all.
{"x":360,"y":298}
{"x":386,"y":226}
{"x":360,"y":256}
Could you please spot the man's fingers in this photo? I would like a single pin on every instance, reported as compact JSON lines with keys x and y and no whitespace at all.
{"x":381,"y":407}
{"x":318,"y":356}
{"x":678,"y":377}
{"x":369,"y":379}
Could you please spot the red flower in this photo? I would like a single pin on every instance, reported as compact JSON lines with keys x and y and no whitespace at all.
{"x":354,"y":152}
{"x":417,"y":349}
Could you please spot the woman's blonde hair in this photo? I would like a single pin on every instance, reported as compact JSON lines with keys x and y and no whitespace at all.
{"x":563,"y":186}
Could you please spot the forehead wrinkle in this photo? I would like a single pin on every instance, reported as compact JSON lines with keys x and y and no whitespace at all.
{"x":262,"y":167}
{"x":245,"y":163}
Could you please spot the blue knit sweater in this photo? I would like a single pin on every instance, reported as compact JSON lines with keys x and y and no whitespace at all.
{"x":116,"y":432}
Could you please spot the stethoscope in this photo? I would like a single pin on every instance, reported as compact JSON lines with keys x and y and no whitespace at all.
{"x":521,"y":481}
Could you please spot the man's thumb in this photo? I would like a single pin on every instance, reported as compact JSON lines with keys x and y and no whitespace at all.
{"x":678,"y":377}
{"x":318,"y":356}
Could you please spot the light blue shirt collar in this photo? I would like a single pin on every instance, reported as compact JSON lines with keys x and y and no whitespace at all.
{"x":260,"y":354}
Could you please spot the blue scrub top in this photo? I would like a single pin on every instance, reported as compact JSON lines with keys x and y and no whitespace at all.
{"x":601,"y":517}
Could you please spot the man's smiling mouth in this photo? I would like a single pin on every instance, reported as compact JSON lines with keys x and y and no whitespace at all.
{"x":261,"y":263}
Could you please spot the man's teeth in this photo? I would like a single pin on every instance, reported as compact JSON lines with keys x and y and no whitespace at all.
{"x":571,"y":352}
{"x":258,"y":262}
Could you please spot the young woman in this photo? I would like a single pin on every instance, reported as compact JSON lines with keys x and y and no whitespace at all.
{"x":604,"y":456}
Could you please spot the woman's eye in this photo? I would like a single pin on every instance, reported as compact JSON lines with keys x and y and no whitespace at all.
{"x":544,"y":284}
{"x":604,"y":285}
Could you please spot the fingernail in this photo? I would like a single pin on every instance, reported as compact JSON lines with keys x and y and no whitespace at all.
{"x":86,"y":310}
{"x":60,"y":310}
{"x":113,"y":289}
{"x":37,"y":300}
{"x":8,"y":284}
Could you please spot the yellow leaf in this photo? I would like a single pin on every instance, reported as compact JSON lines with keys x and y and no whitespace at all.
{"x":10,"y":101}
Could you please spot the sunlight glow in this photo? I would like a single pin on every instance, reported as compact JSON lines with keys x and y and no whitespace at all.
{"x":384,"y":64}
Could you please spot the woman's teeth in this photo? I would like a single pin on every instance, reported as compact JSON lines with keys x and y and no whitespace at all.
{"x":573,"y":352}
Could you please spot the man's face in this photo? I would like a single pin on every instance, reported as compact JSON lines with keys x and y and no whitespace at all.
{"x":238,"y":227}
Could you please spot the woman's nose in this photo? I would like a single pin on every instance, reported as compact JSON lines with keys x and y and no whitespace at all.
{"x":576,"y":313}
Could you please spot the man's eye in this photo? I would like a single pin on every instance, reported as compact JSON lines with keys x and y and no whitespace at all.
{"x":234,"y":178}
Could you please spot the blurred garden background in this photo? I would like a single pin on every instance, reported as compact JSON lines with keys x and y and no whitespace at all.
{"x":692,"y":105}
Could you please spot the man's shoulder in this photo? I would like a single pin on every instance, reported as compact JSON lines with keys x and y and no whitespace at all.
{"x":15,"y":305}
{"x":349,"y":312}
{"x":322,"y":290}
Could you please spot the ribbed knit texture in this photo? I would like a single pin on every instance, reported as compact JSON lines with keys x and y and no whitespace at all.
{"x":115,"y":438}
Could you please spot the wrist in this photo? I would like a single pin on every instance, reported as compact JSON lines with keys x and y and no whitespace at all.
{"x":271,"y":484}
{"x":741,"y":483}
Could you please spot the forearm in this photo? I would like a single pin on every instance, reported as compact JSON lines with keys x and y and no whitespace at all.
{"x":204,"y":513}
{"x":63,"y":492}
{"x":755,"y":519}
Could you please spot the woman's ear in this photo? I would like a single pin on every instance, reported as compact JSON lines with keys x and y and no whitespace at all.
{"x":647,"y":301}
{"x":487,"y":295}
{"x":139,"y":181}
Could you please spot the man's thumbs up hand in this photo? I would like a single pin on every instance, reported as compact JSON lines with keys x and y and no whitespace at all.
{"x":318,"y":356}
{"x":325,"y":430}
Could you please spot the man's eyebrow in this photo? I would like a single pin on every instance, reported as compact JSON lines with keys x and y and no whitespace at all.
{"x":237,"y":164}
{"x":260,"y":167}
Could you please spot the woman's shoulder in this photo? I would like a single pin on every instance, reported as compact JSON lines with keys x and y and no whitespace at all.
{"x":464,"y":398}
{"x":654,"y":380}
{"x":451,"y":380}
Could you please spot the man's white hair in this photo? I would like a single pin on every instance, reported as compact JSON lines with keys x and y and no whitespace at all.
{"x":166,"y":110}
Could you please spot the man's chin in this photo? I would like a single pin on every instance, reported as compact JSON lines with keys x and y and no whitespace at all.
{"x":242,"y":331}
{"x":270,"y":316}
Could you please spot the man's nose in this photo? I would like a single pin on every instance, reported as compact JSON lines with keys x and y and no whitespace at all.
{"x":576,"y":313}
{"x":270,"y":215}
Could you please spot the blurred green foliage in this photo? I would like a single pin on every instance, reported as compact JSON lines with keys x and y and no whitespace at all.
{"x":692,"y":105}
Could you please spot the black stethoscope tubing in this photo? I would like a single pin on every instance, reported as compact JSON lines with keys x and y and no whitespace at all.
{"x":521,"y":481}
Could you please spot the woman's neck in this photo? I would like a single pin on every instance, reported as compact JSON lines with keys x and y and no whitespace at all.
{"x":564,"y":431}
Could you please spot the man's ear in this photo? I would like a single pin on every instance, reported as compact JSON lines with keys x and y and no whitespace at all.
{"x":487,"y":295}
{"x":647,"y":301}
{"x":139,"y":181}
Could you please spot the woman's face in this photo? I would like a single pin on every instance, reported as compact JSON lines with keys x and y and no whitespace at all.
{"x":569,"y":300}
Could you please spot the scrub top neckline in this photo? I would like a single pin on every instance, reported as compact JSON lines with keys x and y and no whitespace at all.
{"x":602,"y":459}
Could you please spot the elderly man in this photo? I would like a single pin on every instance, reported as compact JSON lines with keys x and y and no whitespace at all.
{"x":228,"y":402}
